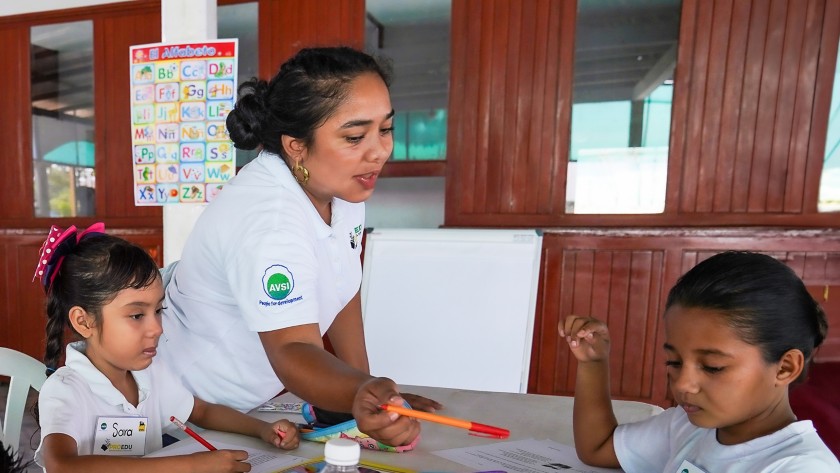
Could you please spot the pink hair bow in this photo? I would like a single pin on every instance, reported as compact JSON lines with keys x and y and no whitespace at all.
{"x":60,"y":243}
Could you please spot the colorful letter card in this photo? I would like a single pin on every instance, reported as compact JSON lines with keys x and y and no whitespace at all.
{"x":181,"y":95}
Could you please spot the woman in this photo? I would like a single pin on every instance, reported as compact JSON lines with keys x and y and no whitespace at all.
{"x":273,"y":263}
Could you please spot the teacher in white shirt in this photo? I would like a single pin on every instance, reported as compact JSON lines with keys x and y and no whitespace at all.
{"x":273,"y":262}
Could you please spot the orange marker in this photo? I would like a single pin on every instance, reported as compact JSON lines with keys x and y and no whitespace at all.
{"x":487,"y":430}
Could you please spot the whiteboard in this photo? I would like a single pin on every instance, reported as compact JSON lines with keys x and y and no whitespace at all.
{"x":451,"y":308}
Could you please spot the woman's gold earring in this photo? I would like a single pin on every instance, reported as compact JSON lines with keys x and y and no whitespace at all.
{"x":301,"y":174}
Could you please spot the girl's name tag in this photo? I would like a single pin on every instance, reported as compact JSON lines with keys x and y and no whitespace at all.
{"x":120,"y":436}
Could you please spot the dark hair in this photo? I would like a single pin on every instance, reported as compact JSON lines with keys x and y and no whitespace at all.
{"x":91,"y":275}
{"x":762,"y":299}
{"x":303,"y":94}
{"x":10,"y":461}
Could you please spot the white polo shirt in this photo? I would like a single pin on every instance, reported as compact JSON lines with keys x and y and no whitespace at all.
{"x":260,"y":258}
{"x":670,"y":443}
{"x":77,"y":394}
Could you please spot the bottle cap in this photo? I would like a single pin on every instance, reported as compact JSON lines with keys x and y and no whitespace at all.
{"x":342,"y":452}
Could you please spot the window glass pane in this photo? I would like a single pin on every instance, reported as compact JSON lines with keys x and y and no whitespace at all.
{"x":62,"y":119}
{"x":625,"y":54}
{"x":415,"y":37}
{"x":420,"y":135}
{"x":240,"y":21}
{"x":830,"y":182}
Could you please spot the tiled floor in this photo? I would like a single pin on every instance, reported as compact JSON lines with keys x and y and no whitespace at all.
{"x":29,"y":433}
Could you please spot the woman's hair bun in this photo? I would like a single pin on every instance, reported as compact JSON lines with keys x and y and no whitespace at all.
{"x":245,"y":123}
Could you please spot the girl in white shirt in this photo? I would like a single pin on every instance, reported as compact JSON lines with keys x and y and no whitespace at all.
{"x":740,"y":329}
{"x":110,"y":404}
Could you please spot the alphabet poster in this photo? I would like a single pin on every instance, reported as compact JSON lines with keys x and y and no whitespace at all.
{"x":180,"y":97}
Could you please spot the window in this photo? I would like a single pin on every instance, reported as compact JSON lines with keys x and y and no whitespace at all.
{"x":63,"y":152}
{"x":420,"y":135}
{"x":829,"y":200}
{"x":415,"y":37}
{"x":625,"y":56}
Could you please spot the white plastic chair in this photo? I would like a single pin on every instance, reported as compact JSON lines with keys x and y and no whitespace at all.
{"x":166,"y":273}
{"x":25,"y":371}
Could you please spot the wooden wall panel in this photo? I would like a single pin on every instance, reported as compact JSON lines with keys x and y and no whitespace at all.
{"x":623,"y":276}
{"x":690,"y":162}
{"x":769,"y":96}
{"x":735,"y":53}
{"x":825,"y":80}
{"x":748,"y":103}
{"x":547,"y":355}
{"x":15,"y":187}
{"x":288,"y":25}
{"x":619,"y":286}
{"x":744,"y":105}
{"x":509,"y":109}
{"x":114,"y":34}
{"x":31,"y":322}
{"x":796,"y":197}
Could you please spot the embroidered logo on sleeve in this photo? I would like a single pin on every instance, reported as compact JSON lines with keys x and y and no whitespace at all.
{"x":278,"y":283}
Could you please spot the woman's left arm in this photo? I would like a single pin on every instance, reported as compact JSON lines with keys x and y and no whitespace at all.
{"x":347,"y":335}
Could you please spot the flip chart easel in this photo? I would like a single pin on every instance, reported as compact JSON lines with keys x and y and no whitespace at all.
{"x":451,"y":308}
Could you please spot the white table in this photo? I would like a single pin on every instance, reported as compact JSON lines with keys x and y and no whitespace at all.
{"x":525,"y":415}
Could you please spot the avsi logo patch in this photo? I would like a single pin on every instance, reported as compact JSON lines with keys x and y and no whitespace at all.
{"x":355,"y":237}
{"x":278,"y":282}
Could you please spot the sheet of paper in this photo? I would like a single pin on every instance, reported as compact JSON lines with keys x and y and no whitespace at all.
{"x":521,"y":456}
{"x":262,"y":461}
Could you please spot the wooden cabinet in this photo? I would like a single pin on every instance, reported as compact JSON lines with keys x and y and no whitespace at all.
{"x":623,"y":276}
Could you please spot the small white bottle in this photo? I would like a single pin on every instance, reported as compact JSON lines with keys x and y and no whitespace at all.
{"x":341,"y":456}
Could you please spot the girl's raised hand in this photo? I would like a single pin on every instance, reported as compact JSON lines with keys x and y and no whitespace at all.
{"x":282,"y":434}
{"x":588,"y":338}
{"x":221,"y":461}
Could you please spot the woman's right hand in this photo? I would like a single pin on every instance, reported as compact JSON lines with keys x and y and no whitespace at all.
{"x":588,"y":338}
{"x":220,"y":461}
{"x":387,"y":427}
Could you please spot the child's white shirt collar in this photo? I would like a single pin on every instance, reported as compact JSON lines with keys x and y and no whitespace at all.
{"x":99,"y":384}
